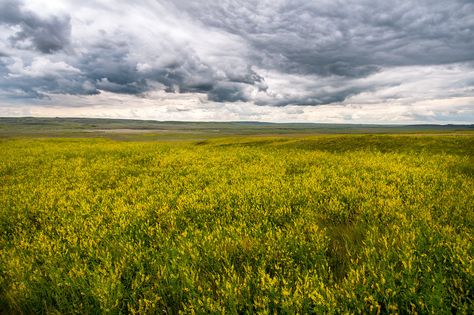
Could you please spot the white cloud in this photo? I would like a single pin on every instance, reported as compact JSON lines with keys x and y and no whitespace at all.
{"x":40,"y":67}
{"x":195,"y":107}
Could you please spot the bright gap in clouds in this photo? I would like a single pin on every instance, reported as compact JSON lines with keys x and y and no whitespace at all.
{"x":284,"y":61}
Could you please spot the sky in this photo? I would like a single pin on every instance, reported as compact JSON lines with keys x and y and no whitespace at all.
{"x":327,"y":61}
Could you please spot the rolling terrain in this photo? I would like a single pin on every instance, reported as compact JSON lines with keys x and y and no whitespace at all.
{"x":114,"y":216}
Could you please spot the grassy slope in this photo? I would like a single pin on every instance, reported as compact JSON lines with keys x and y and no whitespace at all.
{"x":238,"y":224}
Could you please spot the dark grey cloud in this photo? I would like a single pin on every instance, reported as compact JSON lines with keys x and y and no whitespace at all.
{"x":316,"y":98}
{"x":46,"y":35}
{"x":345,"y":38}
{"x":265,"y":52}
{"x":227,"y":92}
{"x":113,"y":69}
{"x":106,"y":65}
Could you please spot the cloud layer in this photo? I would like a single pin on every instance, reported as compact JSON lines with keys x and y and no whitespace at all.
{"x":289,"y":57}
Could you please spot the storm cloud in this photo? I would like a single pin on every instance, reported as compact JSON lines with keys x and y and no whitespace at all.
{"x":261,"y":53}
{"x":46,"y":35}
{"x":345,"y":38}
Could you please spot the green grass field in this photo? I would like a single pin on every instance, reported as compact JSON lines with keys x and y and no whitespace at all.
{"x":237,"y":224}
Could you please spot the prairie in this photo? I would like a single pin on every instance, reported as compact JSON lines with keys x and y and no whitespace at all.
{"x":237,"y":224}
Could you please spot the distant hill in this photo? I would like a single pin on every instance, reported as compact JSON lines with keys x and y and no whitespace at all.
{"x":14,"y":126}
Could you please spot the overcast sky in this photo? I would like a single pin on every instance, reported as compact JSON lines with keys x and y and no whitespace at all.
{"x":359,"y":61}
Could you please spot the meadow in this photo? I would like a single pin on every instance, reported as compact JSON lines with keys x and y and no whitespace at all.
{"x":322,"y":224}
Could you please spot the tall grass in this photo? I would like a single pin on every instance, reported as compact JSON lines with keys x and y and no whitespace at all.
{"x":331,"y":224}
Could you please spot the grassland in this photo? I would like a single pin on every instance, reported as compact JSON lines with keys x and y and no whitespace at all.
{"x":286,"y":223}
{"x":149,"y":130}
